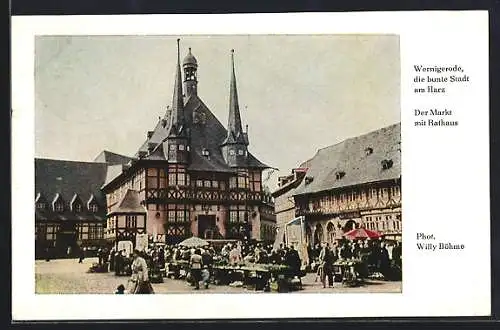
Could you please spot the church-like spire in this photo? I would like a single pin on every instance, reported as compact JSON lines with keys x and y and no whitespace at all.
{"x":234,"y":129}
{"x":177,"y":112}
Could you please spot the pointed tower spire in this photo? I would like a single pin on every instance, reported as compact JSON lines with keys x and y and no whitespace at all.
{"x":176,"y":144}
{"x":177,"y":112}
{"x":234,"y":147}
{"x":234,"y":123}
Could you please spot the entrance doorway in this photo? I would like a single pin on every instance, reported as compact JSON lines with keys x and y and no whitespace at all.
{"x":206,"y":226}
{"x":66,"y":240}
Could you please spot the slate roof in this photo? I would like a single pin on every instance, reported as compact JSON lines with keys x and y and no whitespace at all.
{"x":351,"y":157}
{"x":130,"y":203}
{"x":208,"y":134}
{"x":67,"y":178}
{"x":113,"y":171}
{"x":112,"y":158}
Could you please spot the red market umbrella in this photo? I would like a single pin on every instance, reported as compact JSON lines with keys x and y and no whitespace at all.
{"x":362,"y":233}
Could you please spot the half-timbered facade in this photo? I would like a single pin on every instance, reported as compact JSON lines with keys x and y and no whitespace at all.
{"x":69,"y":206}
{"x":192,"y":175}
{"x":126,"y":219}
{"x":355,"y":183}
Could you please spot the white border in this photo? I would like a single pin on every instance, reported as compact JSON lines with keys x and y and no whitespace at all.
{"x":431,"y":286}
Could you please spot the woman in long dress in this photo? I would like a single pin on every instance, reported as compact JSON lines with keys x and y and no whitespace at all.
{"x":140,"y":276}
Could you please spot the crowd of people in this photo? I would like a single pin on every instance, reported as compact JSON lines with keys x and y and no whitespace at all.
{"x":372,"y":256}
{"x":377,"y":254}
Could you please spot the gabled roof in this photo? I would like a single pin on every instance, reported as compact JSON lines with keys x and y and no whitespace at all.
{"x":63,"y":179}
{"x":112,"y":172}
{"x":130,"y":203}
{"x":206,"y":134}
{"x":75,"y":199}
{"x":287,"y":189}
{"x":40,"y":198}
{"x":92,"y":200}
{"x":359,"y":159}
{"x":112,"y":158}
{"x":57,"y":199}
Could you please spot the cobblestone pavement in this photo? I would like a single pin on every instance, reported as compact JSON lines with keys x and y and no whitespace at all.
{"x":68,"y":276}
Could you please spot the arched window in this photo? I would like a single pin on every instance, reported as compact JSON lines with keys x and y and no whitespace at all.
{"x":318,"y":234}
{"x":309,"y":235}
{"x":330,"y":229}
{"x":350,"y":225}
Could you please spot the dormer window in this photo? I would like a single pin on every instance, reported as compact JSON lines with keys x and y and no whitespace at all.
{"x":308,"y":179}
{"x":386,"y":164}
{"x":339,"y":175}
{"x":75,"y":204}
{"x":369,"y":151}
{"x":58,"y":203}
{"x":205,"y":152}
{"x":93,"y":208}
{"x":39,"y":202}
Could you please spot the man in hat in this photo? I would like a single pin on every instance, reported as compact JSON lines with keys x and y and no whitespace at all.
{"x":326,"y":260}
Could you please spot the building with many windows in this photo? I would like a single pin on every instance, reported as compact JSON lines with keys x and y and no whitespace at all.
{"x":192,"y":175}
{"x":70,"y":208}
{"x":355,"y":183}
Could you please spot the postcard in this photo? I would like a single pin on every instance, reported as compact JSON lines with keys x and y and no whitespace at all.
{"x":243,"y":170}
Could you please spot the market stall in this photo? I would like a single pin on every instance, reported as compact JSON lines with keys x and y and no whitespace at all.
{"x":258,"y":276}
{"x":348,"y":272}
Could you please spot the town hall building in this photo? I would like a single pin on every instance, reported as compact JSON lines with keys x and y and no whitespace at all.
{"x":191,"y":176}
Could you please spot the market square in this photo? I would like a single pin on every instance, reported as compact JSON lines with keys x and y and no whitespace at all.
{"x":67,"y":276}
{"x":191,"y":205}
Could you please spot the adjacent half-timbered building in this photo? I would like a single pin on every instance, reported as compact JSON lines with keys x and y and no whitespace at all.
{"x":126,"y":219}
{"x":355,"y":183}
{"x":70,"y":208}
{"x":192,"y":175}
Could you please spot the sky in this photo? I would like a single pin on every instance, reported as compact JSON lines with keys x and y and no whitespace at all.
{"x":297,"y":94}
